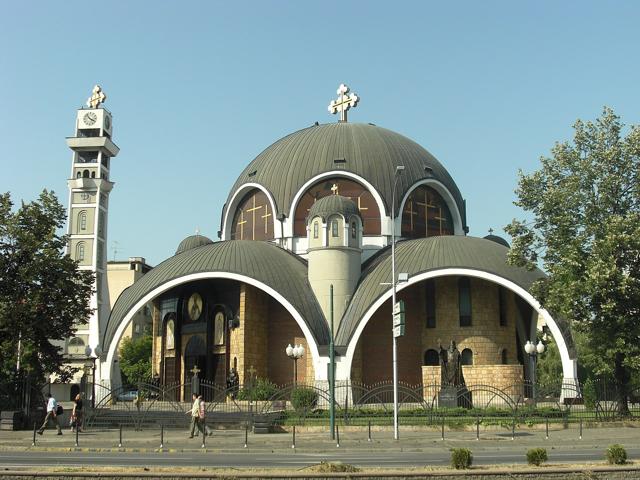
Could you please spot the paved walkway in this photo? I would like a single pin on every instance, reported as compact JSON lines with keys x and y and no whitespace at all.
{"x":314,"y":440}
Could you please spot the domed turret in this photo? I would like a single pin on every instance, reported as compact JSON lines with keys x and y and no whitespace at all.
{"x":192,"y":241}
{"x":334,"y":233}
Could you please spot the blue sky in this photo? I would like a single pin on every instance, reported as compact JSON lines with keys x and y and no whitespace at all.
{"x":198,"y":89}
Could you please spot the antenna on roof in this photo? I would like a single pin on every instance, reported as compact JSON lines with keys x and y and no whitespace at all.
{"x":115,"y":245}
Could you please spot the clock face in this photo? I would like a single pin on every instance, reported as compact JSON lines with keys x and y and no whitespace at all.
{"x":194,"y":306}
{"x":89,"y":118}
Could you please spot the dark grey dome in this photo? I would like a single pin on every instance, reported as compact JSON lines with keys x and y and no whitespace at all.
{"x":498,"y":239}
{"x":193,"y":241}
{"x":333,"y":204}
{"x":366,"y":150}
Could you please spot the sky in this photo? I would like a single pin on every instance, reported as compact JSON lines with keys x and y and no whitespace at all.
{"x":199,"y":89}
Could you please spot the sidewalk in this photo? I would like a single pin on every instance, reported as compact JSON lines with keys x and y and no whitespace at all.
{"x":312,"y":440}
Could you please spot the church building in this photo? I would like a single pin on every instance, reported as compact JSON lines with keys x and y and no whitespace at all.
{"x":317,"y":212}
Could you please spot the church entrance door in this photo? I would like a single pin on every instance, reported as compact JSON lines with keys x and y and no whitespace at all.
{"x":195,"y":354}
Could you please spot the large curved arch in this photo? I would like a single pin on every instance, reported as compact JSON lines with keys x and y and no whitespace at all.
{"x":110,"y":349}
{"x":445,"y":194}
{"x":236,"y":198}
{"x":288,"y":224}
{"x":569,"y":366}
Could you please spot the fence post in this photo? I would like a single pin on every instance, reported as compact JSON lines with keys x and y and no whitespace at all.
{"x":513,"y":428}
{"x":442,"y":427}
{"x":293,"y":442}
{"x":161,"y":435}
{"x":33,"y":444}
{"x":204,"y":433}
{"x":478,"y":427}
{"x":369,"y":438}
{"x":246,"y":434}
{"x":337,"y":437}
{"x":120,"y":437}
{"x":77,"y":430}
{"x":580,"y":428}
{"x":547,"y":424}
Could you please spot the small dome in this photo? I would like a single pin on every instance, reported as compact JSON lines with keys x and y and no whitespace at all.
{"x":193,"y":241}
{"x":497,"y":239}
{"x":333,"y":204}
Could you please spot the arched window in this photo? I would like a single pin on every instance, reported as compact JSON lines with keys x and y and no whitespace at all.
{"x":503,"y":357}
{"x":76,"y":346}
{"x":334,"y":228}
{"x":467,"y":357}
{"x":93,"y":174}
{"x":82,"y":221}
{"x":354,"y":229}
{"x":85,"y":174}
{"x":253,"y":219}
{"x":347,"y":188}
{"x":431,"y":358}
{"x":426,"y":214}
{"x":79,"y":174}
{"x":80,"y":252}
{"x":464,"y":301}
{"x":315,"y":229}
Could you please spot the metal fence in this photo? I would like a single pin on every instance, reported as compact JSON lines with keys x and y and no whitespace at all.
{"x":147,"y":404}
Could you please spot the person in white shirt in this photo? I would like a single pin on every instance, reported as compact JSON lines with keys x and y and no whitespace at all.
{"x":52,"y":414}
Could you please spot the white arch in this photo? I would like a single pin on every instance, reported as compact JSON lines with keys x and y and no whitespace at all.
{"x":235,"y":201}
{"x":111,"y":348}
{"x":288,"y":224}
{"x":458,"y":227}
{"x":569,"y":365}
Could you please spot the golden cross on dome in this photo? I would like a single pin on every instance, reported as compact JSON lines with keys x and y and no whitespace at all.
{"x":97,"y":97}
{"x":334,"y":189}
{"x":345,"y":101}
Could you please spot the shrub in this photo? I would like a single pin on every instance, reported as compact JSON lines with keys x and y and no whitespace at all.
{"x":461,"y":458}
{"x":537,"y":456}
{"x":330,"y":467}
{"x":616,"y":454}
{"x":304,"y":399}
{"x":262,"y":389}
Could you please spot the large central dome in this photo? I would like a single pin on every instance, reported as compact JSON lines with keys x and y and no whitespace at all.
{"x":365,"y":150}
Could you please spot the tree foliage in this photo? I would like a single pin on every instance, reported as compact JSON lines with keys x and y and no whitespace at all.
{"x":135,"y":359}
{"x":43,"y":294}
{"x":585,"y":232}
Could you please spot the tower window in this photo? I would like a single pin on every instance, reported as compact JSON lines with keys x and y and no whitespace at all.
{"x":87,"y":157}
{"x":334,"y":228}
{"x":464,"y":301}
{"x":80,"y":252}
{"x":467,"y":357}
{"x":85,"y":174}
{"x":93,"y":174}
{"x":430,"y":298}
{"x":82,"y":221}
{"x":315,"y":229}
{"x":354,"y":230}
{"x":79,"y":174}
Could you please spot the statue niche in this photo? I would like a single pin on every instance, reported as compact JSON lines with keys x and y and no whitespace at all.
{"x":453,"y":392}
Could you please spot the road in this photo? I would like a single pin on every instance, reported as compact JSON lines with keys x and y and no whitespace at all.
{"x":295,"y":460}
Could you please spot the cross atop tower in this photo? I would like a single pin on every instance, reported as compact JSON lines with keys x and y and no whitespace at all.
{"x":345,"y":101}
{"x":97,"y":97}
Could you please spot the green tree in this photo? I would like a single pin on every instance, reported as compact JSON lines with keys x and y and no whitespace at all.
{"x":135,"y":359}
{"x":43,"y":294}
{"x":585,"y":231}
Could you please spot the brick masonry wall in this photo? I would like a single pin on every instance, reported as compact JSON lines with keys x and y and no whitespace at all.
{"x":485,"y":337}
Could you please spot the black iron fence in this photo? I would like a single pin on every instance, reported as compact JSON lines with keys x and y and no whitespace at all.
{"x":148,"y":404}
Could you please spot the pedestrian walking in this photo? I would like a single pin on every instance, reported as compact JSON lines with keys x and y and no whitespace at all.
{"x":53,"y":410}
{"x":202,"y":410}
{"x":76,"y":414}
{"x":195,"y":415}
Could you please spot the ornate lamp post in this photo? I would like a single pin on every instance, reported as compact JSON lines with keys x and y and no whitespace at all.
{"x":396,"y":175}
{"x":533,"y":351}
{"x":90,"y":364}
{"x":295,"y":353}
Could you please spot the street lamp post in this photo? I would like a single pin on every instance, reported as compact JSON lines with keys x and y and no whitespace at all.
{"x":295,"y":353}
{"x":91,"y":363}
{"x":396,"y":175}
{"x":533,"y":351}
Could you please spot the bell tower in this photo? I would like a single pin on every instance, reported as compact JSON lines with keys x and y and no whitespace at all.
{"x":89,"y":188}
